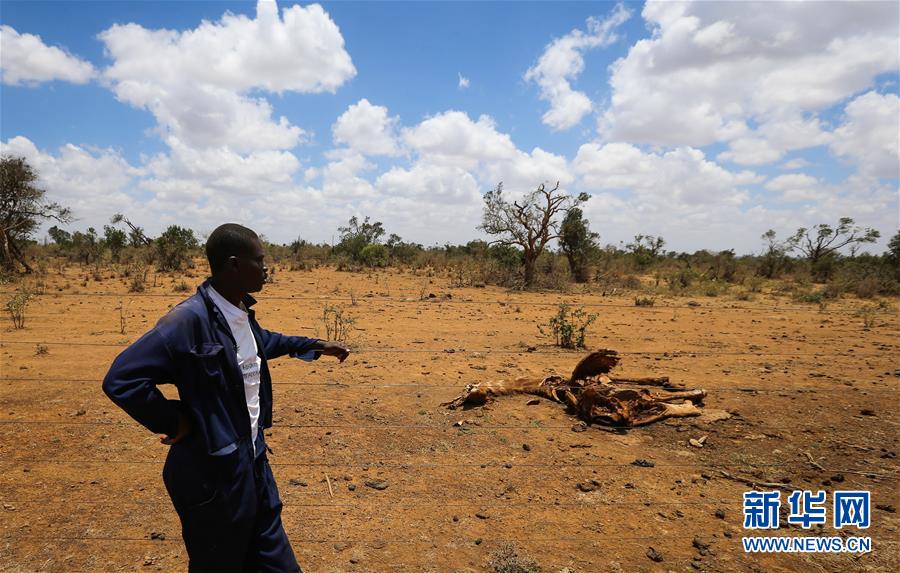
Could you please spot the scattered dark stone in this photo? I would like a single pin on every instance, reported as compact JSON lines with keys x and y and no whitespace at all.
{"x":531,"y":349}
{"x":867,"y":412}
{"x":526,"y":447}
{"x":480,"y":515}
{"x":728,"y":534}
{"x":837,"y":478}
{"x":158,"y":536}
{"x":351,"y":487}
{"x":296,"y":481}
{"x":643,"y":463}
{"x":533,"y":402}
{"x":889,"y":455}
{"x":478,"y":541}
{"x":886,"y":507}
{"x":586,"y":486}
{"x":579,"y":427}
{"x":720,"y":513}
{"x":354,"y":560}
{"x":340,"y":546}
{"x":507,"y":466}
{"x":654,"y":555}
{"x":455,"y":518}
{"x":702,"y":548}
{"x":629,"y":486}
{"x":377,"y":484}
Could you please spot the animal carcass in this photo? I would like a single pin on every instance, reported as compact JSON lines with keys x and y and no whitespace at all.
{"x":594,"y":396}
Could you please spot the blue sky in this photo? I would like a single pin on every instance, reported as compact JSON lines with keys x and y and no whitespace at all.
{"x":706,"y":123}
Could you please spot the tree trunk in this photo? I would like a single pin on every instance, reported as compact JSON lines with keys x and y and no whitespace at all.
{"x":10,"y":253}
{"x":530,"y":263}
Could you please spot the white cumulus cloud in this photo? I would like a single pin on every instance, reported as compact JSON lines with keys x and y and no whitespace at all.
{"x":797,"y":187}
{"x":869,"y":134}
{"x":563,"y":61}
{"x":681,"y":178}
{"x":25,"y":59}
{"x":368,"y":129}
{"x":93,"y":183}
{"x":711,"y":70}
{"x":196,"y":82}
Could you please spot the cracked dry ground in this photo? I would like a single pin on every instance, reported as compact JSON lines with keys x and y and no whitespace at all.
{"x":419,"y":488}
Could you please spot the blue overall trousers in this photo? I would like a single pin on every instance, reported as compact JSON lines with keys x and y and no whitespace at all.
{"x":229,"y":509}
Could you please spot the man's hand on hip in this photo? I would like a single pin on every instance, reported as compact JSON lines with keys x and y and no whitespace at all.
{"x":184,"y":430}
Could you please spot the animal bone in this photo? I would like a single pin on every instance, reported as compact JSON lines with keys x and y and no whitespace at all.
{"x":595,"y":396}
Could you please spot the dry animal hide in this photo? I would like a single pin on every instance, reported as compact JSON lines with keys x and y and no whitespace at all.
{"x":594,"y":396}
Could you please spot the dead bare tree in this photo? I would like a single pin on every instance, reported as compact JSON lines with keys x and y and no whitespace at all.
{"x":135,"y":234}
{"x":530,"y":223}
{"x":22,"y":207}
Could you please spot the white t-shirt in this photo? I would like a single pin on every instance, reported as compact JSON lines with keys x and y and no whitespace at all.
{"x":247,"y":355}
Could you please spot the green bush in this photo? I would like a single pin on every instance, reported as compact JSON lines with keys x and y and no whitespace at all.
{"x":811,"y":297}
{"x":568,"y":327}
{"x":174,"y":247}
{"x":374,"y":255}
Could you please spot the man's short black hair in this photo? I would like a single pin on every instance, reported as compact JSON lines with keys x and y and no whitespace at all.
{"x":228,"y":240}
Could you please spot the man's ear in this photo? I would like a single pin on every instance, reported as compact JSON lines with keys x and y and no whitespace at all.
{"x":232,"y":262}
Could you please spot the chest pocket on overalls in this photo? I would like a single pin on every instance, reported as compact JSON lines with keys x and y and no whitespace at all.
{"x":207,"y":359}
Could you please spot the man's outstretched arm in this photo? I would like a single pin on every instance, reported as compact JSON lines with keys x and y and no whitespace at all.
{"x":276,"y":345}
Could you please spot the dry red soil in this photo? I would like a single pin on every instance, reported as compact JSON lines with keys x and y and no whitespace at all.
{"x":813,"y":398}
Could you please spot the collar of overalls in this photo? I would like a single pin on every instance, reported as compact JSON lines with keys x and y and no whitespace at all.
{"x":203,"y":290}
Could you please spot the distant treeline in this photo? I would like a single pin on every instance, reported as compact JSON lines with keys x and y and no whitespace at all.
{"x":539,"y":240}
{"x":639,"y":265}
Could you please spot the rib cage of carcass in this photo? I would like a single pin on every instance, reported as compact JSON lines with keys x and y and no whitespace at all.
{"x":596,"y":397}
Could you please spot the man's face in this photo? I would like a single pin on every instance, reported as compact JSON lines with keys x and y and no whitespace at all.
{"x":252,"y":270}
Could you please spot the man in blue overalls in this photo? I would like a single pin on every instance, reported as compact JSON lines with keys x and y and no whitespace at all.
{"x":216,"y":354}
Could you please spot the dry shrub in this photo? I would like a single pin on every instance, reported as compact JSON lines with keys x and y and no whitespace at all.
{"x":338,"y":325}
{"x":867,"y":287}
{"x":506,"y":559}
{"x":137,"y":271}
{"x":613,"y":281}
{"x":553,"y":274}
{"x":745,"y":295}
{"x":754,"y":283}
{"x":16,"y":306}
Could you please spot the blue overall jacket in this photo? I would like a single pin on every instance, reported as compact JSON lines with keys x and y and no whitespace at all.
{"x":192,"y":347}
